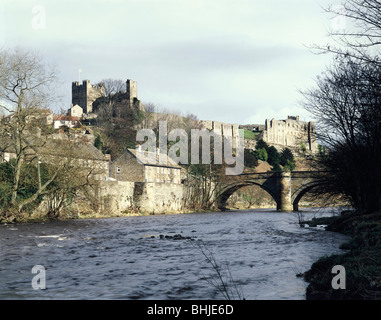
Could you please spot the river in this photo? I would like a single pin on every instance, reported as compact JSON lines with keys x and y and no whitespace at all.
{"x":126,"y":258}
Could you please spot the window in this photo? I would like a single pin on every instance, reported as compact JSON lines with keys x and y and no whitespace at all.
{"x":118,"y":170}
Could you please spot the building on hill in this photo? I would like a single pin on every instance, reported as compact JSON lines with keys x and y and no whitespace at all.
{"x":75,"y":111}
{"x":38,"y":116}
{"x":50,"y":150}
{"x":131,"y":167}
{"x":87,"y":96}
{"x":68,"y":121}
{"x":291,"y":133}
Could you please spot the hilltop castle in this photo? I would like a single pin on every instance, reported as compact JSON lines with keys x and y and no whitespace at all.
{"x":291,"y":132}
{"x":85,"y":94}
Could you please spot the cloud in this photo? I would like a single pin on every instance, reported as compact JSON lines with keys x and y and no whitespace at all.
{"x":225,"y":60}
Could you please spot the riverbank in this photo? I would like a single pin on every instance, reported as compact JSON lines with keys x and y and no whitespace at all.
{"x":69,"y":215}
{"x":362,"y":261}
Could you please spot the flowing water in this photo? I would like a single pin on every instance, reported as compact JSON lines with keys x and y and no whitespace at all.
{"x":141,"y":258}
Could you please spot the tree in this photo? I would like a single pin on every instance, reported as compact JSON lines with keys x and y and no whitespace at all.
{"x":362,"y":41}
{"x":273,"y":156}
{"x":98,"y":142}
{"x":39,"y":167}
{"x":262,"y":144}
{"x":250,"y":160}
{"x":25,"y":86}
{"x":261,"y":154}
{"x":113,"y":86}
{"x":287,"y":159}
{"x":347,"y":102}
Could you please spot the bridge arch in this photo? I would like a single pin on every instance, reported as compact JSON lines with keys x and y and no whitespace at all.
{"x":229,"y":190}
{"x":286,"y":188}
{"x":299,"y":193}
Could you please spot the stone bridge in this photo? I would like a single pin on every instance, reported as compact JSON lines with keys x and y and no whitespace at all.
{"x":286,"y":188}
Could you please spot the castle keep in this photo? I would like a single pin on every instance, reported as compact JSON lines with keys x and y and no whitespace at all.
{"x":85,"y":94}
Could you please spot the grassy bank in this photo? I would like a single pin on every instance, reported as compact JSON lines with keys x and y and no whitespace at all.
{"x":362,"y":261}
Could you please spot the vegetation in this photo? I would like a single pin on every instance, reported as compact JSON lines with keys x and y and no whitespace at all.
{"x":249,"y":134}
{"x":31,"y":176}
{"x":362,"y":261}
{"x":347,"y":103}
{"x":270,"y":154}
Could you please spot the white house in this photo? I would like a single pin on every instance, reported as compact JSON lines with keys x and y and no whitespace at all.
{"x":68,"y":121}
{"x":75,"y":111}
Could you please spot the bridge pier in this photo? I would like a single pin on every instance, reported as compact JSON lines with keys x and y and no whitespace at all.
{"x":284,"y":202}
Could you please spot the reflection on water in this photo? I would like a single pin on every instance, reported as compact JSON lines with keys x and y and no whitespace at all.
{"x":155,"y":257}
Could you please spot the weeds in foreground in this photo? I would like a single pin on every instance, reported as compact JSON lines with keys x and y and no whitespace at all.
{"x":222,"y":278}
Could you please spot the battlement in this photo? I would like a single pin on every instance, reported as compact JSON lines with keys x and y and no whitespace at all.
{"x":84,"y":94}
{"x":290,"y":132}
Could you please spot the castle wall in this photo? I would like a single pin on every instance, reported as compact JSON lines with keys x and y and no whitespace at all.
{"x":85,"y":94}
{"x":290,"y":133}
{"x":226,"y":129}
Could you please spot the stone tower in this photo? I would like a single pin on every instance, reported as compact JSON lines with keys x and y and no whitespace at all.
{"x":132,"y":94}
{"x":131,"y":90}
{"x":85,"y":94}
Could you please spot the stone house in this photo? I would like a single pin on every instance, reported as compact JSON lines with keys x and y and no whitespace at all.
{"x":131,"y":167}
{"x":75,"y":111}
{"x":52,"y":150}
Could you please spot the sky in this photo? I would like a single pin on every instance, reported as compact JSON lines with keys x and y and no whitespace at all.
{"x":234,"y":61}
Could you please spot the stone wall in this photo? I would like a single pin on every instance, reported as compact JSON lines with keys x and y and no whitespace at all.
{"x":157,"y":198}
{"x":146,"y":197}
{"x":115,"y":196}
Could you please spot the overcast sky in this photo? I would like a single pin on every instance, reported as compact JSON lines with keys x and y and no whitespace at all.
{"x":236,"y":61}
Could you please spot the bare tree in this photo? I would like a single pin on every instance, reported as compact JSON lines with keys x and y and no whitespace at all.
{"x":347,"y":106}
{"x":360,"y":36}
{"x":113,"y":86}
{"x":25,"y":87}
{"x":51,"y":167}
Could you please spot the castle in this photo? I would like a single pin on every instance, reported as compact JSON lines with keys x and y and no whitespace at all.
{"x":291,"y":133}
{"x":84,"y":95}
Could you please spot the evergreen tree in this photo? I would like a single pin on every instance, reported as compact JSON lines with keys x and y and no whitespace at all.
{"x":98,"y":142}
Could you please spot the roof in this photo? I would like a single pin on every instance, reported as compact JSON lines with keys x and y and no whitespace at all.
{"x":170,"y":163}
{"x":57,"y":147}
{"x":66,"y":118}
